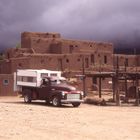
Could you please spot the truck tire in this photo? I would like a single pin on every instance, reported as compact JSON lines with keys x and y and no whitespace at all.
{"x":56,"y":101}
{"x":76,"y":104}
{"x":27,"y":96}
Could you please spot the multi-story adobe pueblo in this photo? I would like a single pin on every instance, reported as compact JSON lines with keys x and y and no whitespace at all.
{"x":72,"y":57}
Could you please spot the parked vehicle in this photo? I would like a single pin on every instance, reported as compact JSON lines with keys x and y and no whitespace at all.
{"x":46,"y":85}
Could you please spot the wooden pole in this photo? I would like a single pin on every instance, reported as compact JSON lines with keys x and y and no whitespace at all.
{"x":126,"y":93}
{"x":117,"y":92}
{"x":84,"y":78}
{"x":126,"y":90}
{"x":117,"y":84}
{"x":100,"y":86}
{"x":113,"y":88}
{"x":137,"y":92}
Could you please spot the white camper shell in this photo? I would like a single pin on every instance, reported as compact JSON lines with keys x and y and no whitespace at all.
{"x":33,"y":77}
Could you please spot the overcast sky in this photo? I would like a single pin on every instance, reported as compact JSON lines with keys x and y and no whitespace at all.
{"x":98,"y":20}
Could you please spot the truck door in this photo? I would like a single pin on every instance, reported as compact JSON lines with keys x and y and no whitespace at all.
{"x":44,"y":91}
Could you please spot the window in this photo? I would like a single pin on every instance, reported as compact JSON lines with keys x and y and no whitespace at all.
{"x":67,"y":60}
{"x":126,"y":62}
{"x":78,"y":59}
{"x":60,"y":64}
{"x":44,"y":75}
{"x":86,"y":63}
{"x":8,"y":55}
{"x":105,"y":59}
{"x":71,"y":48}
{"x":30,"y":79}
{"x":26,"y":79}
{"x":5,"y":82}
{"x":42,"y":61}
{"x":53,"y":74}
{"x":94,"y":80}
{"x":20,"y":65}
{"x":19,"y":78}
{"x":92,"y":59}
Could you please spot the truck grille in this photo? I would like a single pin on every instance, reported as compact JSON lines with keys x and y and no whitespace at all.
{"x":73,"y":96}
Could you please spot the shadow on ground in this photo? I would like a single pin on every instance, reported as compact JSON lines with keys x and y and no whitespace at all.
{"x":37,"y":103}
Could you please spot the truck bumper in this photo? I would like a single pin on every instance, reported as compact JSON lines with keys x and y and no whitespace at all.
{"x":71,"y":101}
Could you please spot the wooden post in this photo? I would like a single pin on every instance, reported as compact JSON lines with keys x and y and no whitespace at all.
{"x":137,"y":80}
{"x":126,"y":93}
{"x":117,"y":84}
{"x":126,"y":90}
{"x":117,"y":92}
{"x":137,"y":94}
{"x":84,"y":77}
{"x":100,"y":86}
{"x":113,"y":88}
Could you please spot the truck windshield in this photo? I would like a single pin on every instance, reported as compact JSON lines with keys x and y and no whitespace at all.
{"x":58,"y":81}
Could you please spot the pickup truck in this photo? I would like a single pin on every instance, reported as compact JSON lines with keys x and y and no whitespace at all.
{"x":53,"y":89}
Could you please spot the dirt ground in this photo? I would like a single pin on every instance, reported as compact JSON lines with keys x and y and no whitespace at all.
{"x":37,"y":121}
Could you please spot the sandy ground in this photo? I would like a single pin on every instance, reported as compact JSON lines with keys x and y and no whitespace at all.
{"x":37,"y":121}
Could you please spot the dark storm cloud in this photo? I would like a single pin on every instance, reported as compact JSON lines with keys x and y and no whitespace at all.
{"x":17,"y":16}
{"x":103,"y":20}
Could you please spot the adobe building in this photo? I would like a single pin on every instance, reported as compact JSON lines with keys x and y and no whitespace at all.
{"x":72,"y":57}
{"x":47,"y":46}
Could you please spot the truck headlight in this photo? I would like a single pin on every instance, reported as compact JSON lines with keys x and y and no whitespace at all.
{"x":63,"y":93}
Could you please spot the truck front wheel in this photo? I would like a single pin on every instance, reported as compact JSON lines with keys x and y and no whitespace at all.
{"x":76,"y":104}
{"x":27,"y":98}
{"x":56,"y":101}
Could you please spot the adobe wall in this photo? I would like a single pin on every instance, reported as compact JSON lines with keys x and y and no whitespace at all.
{"x":64,"y":62}
{"x":31,"y":39}
{"x":69,"y":46}
{"x":86,"y":46}
{"x":19,"y":63}
{"x":75,"y":62}
{"x":9,"y":66}
{"x":43,"y":62}
{"x":40,"y":35}
{"x":5,"y":66}
{"x":41,"y":45}
{"x":17,"y":52}
{"x":56,"y":47}
{"x":6,"y":85}
{"x":131,"y":60}
{"x":71,"y":62}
